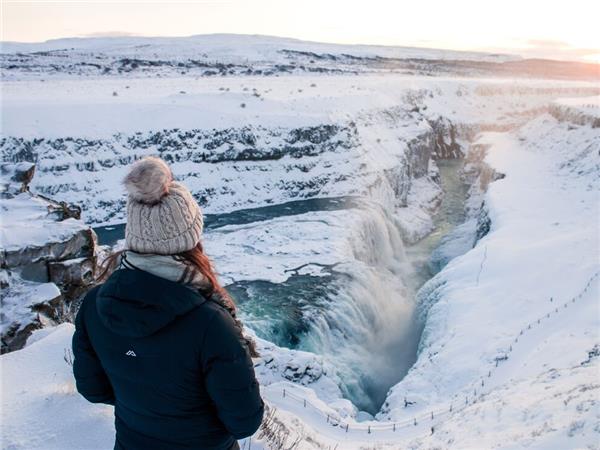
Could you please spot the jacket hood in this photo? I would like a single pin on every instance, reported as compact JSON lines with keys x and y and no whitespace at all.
{"x":135,"y":303}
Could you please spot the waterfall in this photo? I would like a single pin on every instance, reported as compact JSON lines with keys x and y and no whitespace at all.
{"x":366,"y":327}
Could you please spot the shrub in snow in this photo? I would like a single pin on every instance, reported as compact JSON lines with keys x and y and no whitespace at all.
{"x":275,"y":433}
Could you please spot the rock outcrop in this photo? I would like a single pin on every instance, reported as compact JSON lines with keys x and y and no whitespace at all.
{"x":47,"y":257}
{"x":445,"y":145}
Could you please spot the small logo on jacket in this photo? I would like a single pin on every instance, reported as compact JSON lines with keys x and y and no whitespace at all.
{"x":130,"y":353}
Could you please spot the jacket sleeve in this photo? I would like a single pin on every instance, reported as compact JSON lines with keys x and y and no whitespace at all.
{"x":90,"y":377}
{"x":229,"y":377}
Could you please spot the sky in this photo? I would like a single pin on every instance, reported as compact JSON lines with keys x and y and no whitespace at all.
{"x":565,"y":29}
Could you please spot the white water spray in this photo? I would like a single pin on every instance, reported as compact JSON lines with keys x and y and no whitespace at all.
{"x":368,"y":329}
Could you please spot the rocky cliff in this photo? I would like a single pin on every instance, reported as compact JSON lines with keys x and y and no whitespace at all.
{"x":233,"y":168}
{"x":47,"y":257}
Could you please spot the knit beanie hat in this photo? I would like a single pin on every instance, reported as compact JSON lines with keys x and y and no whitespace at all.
{"x":162,"y":216}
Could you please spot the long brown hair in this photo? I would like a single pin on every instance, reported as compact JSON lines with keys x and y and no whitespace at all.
{"x":196,"y":261}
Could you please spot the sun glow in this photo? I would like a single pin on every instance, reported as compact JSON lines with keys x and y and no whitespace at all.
{"x":594,"y":58}
{"x":534,"y":28}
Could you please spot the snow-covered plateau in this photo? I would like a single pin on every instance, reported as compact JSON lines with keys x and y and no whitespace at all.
{"x":412,"y":235}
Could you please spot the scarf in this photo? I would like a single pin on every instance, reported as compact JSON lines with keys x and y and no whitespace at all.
{"x":164,"y":266}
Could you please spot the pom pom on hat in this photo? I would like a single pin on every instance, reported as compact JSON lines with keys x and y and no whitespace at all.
{"x":148,"y":180}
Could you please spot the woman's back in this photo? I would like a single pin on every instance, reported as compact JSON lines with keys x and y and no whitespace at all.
{"x":176,"y":364}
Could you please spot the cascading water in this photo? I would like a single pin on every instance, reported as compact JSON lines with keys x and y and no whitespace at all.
{"x":360,"y":317}
{"x":369,"y":315}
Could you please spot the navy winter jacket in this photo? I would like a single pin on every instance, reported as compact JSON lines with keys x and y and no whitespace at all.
{"x":172,"y":362}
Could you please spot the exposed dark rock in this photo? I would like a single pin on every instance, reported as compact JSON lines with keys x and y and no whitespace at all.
{"x":76,"y":272}
{"x":62,"y":210}
{"x":445,"y":145}
{"x":16,"y":336}
{"x":16,"y":177}
{"x":484,"y":223}
{"x":80,"y":244}
{"x":422,"y":149}
{"x":479,"y":174}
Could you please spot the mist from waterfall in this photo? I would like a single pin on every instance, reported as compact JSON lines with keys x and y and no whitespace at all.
{"x":367,"y":329}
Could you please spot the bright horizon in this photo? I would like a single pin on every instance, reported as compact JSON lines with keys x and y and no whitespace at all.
{"x":539,"y":29}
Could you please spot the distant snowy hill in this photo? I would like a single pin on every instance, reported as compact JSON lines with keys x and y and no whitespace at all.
{"x":235,"y":55}
{"x":236,"y":48}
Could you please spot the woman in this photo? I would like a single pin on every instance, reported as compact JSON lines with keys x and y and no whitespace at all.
{"x":159,"y":338}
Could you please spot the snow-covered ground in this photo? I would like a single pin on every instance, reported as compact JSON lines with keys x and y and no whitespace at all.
{"x":367,"y":137}
{"x":42,"y":227}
